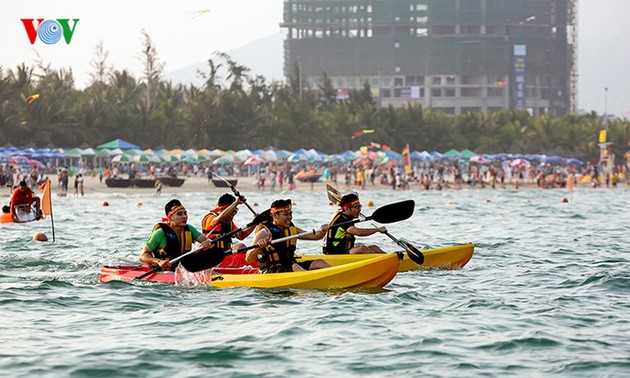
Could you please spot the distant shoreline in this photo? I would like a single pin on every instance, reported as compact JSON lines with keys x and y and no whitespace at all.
{"x":247,"y":185}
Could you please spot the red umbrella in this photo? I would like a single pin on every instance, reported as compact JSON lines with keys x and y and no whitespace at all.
{"x":478,"y":159}
{"x":7,"y":160}
{"x":254,"y":160}
{"x":519,"y":163}
{"x":36,"y":164}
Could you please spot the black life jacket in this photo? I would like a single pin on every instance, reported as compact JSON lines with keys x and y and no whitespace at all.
{"x":174,"y":246}
{"x":338,"y":240}
{"x":221,"y":229}
{"x":279,"y":257}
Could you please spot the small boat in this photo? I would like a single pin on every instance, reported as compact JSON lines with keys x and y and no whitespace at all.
{"x":445,"y":258}
{"x":24,"y":214}
{"x":117,"y":183}
{"x":308,"y":176}
{"x":129,"y":272}
{"x":222,"y":184}
{"x":376,"y":271}
{"x":143,"y":183}
{"x":171,"y":181}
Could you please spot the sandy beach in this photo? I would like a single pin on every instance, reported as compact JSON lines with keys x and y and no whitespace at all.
{"x":244,"y":185}
{"x":248,"y":185}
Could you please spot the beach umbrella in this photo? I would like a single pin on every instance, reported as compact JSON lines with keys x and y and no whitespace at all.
{"x":283,"y":154}
{"x":254,"y":160}
{"x":36,"y":164}
{"x":223,"y":160}
{"x":478,"y":159}
{"x":216,"y":153}
{"x":190,"y":160}
{"x":297,"y":157}
{"x":146,"y":158}
{"x":74,"y":152}
{"x":88,"y":152}
{"x":117,"y":144}
{"x":7,"y":160}
{"x":122,"y":158}
{"x":519,"y":163}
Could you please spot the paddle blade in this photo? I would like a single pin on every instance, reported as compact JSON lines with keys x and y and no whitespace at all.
{"x":264,"y":216}
{"x":414,"y":254}
{"x":334,"y":196}
{"x":394,"y":212}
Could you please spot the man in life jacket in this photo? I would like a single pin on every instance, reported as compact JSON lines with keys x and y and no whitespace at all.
{"x":173,"y":238}
{"x":280,"y":257}
{"x":220,"y":221}
{"x":340,"y":239}
{"x":24,"y":195}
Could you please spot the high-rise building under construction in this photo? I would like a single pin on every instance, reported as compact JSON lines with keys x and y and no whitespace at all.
{"x":451,"y":55}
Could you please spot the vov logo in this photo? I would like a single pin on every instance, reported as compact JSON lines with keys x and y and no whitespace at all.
{"x":49,"y":31}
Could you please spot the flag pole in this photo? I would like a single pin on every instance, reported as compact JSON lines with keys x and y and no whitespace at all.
{"x":52,"y":222}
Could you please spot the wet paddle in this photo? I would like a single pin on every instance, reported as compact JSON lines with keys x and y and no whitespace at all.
{"x":236,"y":192}
{"x":391,"y":213}
{"x":257,"y":220}
{"x":414,"y":254}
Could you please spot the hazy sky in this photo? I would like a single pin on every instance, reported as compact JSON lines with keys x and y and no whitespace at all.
{"x":184,"y":37}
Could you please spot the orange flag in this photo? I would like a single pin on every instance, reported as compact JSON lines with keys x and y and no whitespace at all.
{"x":406,"y":160}
{"x":46,"y":204}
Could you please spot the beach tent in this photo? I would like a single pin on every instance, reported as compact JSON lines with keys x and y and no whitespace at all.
{"x":466,"y":154}
{"x":117,"y":143}
{"x":452,"y":154}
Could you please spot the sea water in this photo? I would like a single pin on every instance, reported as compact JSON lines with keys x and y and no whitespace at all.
{"x":546,"y":294}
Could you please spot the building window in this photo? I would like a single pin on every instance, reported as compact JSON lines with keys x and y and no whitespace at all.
{"x":471,"y":92}
{"x":495,"y":92}
{"x":436,"y":80}
{"x":436,"y":92}
{"x":398,"y":82}
{"x":450,"y":92}
{"x":387,"y":93}
{"x":410,"y":80}
{"x":470,"y":109}
{"x":450,"y":80}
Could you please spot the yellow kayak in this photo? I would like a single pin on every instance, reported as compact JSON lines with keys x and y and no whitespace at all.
{"x":374,"y":271}
{"x":447,"y":258}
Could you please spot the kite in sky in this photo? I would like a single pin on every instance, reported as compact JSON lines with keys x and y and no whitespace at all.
{"x":32,"y":98}
{"x":357,"y":134}
{"x":200,"y":12}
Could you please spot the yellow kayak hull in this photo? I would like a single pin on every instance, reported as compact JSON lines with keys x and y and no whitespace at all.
{"x":445,"y":258}
{"x":376,"y":271}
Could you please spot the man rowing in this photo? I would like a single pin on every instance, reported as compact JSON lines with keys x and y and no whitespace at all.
{"x":280,"y":257}
{"x":340,"y":239}
{"x":173,"y":238}
{"x":220,"y":221}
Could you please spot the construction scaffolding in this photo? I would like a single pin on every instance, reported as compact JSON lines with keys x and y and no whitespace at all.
{"x":452,"y":55}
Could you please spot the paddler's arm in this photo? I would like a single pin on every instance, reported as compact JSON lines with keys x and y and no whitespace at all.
{"x":365,"y":231}
{"x":205,"y":242}
{"x":245,"y":232}
{"x":146,"y":257}
{"x":225,"y":214}
{"x":261,"y":239}
{"x":316,"y":236}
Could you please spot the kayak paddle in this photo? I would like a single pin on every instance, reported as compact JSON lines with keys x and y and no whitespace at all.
{"x":394,"y":212}
{"x":257,"y":220}
{"x":414,"y":254}
{"x":236,"y":192}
